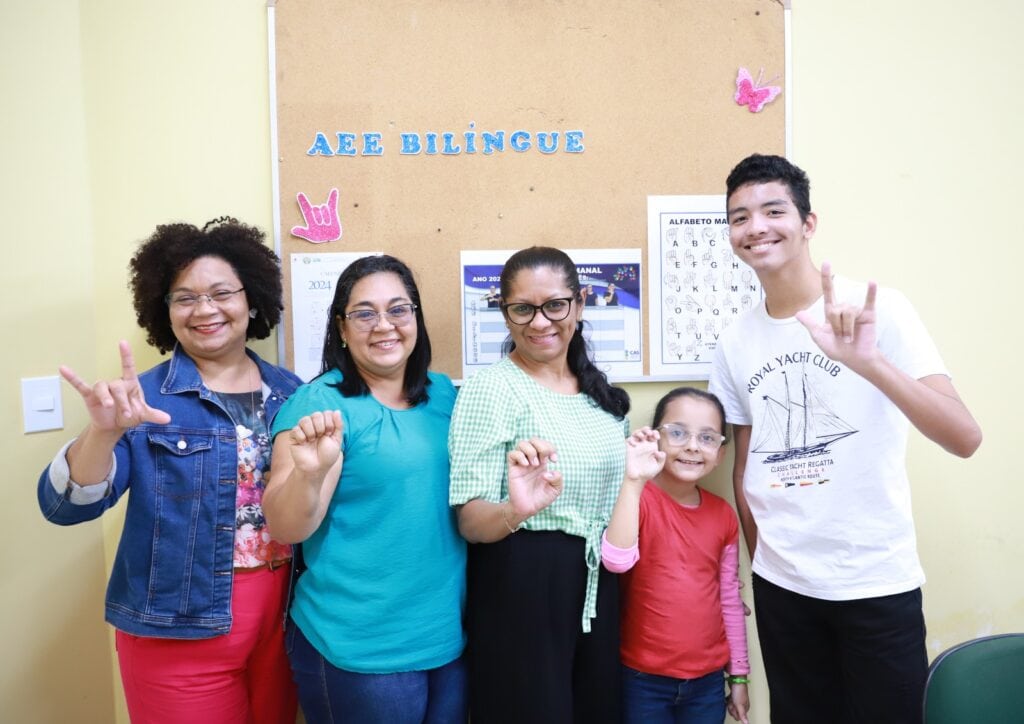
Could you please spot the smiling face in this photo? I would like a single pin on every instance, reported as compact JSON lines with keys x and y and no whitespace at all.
{"x":689,"y":462}
{"x":542,"y":341}
{"x":765,"y":228}
{"x":383,"y":351}
{"x":209,"y":330}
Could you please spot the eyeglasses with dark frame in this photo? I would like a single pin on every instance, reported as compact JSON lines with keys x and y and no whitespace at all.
{"x":677,"y":436}
{"x":187,"y":300}
{"x":366,"y":320}
{"x":554,"y":310}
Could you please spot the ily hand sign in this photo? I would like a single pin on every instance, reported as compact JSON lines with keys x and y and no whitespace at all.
{"x":321,"y":222}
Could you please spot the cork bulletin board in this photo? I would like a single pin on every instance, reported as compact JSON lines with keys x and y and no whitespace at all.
{"x":447,"y":125}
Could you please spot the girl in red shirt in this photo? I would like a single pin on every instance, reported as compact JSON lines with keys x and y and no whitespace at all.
{"x":676,"y":544}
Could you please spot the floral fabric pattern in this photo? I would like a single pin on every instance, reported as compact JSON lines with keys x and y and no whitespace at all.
{"x":253,"y":545}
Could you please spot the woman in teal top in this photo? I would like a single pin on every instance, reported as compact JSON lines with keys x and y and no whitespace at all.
{"x":361,"y":480}
{"x":538,"y":453}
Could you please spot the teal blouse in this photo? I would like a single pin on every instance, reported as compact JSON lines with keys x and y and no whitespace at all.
{"x":385,"y":585}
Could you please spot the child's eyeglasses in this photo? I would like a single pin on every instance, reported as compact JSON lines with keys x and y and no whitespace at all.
{"x":677,"y":436}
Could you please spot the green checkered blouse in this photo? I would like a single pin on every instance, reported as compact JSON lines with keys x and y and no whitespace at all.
{"x":498,"y":407}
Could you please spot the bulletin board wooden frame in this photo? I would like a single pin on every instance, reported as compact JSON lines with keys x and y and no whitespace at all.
{"x":648,"y":87}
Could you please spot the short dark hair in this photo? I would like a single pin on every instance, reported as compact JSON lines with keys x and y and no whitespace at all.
{"x":172,"y":247}
{"x":592,"y":381}
{"x":759,"y":169}
{"x":693,"y":393}
{"x":337,"y":355}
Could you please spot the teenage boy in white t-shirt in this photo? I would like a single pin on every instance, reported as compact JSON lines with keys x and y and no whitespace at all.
{"x":822,"y":382}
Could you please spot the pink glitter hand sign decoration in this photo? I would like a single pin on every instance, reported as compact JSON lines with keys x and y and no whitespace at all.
{"x":321,"y":222}
{"x":753,"y":95}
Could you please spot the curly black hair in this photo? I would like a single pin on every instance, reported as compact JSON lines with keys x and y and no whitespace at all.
{"x":172,"y":247}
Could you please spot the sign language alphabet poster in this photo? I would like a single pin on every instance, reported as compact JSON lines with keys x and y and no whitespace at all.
{"x":698,"y":286}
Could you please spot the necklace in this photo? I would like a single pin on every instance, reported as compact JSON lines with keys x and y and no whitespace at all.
{"x":257,"y":410}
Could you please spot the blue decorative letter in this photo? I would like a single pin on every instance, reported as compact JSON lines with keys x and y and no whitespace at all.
{"x":448,"y":147}
{"x":546,"y":148}
{"x":520,"y":140}
{"x":574,"y":141}
{"x":320,"y":146}
{"x":411,"y":143}
{"x":431,"y":143}
{"x":371,"y":145}
{"x":346,"y":144}
{"x":493,"y":141}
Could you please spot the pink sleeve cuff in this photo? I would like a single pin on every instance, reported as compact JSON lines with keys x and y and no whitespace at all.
{"x":618,"y":560}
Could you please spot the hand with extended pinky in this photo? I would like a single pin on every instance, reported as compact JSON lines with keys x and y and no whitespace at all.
{"x":848,"y":333}
{"x":116,"y":405}
{"x":315,"y":442}
{"x":531,"y":486}
{"x":644,"y":459}
{"x":322,"y":222}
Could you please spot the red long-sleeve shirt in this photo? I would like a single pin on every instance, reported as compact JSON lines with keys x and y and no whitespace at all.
{"x":681,"y":610}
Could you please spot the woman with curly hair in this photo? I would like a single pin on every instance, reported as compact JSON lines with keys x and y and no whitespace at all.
{"x":198,"y":588}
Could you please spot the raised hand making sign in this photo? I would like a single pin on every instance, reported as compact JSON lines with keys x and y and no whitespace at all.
{"x":322,"y":222}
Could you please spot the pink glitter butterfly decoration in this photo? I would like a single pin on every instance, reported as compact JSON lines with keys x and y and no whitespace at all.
{"x":753,"y":95}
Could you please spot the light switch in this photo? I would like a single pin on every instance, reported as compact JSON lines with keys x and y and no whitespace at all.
{"x":41,"y":404}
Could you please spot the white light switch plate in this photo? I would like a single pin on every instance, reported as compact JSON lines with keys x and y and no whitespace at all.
{"x":41,"y":404}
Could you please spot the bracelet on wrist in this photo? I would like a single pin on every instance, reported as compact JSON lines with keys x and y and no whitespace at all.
{"x":504,"y":518}
{"x":738,"y":679}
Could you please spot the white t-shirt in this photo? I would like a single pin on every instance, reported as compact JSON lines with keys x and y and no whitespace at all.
{"x":825,"y":475}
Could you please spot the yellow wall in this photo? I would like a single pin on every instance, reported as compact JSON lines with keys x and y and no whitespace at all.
{"x":53,"y":588}
{"x":121,"y":114}
{"x":117,"y":115}
{"x":905,"y":115}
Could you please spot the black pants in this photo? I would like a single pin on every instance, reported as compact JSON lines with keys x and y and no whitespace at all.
{"x":840,"y":662}
{"x":529,"y":660}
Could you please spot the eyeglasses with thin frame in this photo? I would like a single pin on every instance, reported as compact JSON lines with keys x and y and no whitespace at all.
{"x":554,"y":310}
{"x":677,"y":436}
{"x":366,"y":320}
{"x":187,"y":300}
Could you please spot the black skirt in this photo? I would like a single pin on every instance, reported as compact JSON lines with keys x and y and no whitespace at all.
{"x":528,"y":658}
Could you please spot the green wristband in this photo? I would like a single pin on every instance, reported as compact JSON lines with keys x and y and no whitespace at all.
{"x":737,"y":679}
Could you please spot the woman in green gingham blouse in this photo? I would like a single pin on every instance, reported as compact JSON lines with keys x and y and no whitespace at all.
{"x":537,"y":448}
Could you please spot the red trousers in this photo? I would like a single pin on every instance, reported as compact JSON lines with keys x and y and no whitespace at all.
{"x":242,"y":677}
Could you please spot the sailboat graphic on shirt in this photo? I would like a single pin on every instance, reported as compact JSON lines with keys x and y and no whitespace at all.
{"x":798,"y":428}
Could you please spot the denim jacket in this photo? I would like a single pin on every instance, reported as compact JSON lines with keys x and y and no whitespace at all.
{"x":173,"y":571}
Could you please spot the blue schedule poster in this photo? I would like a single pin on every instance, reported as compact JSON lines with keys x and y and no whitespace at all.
{"x":610,"y":286}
